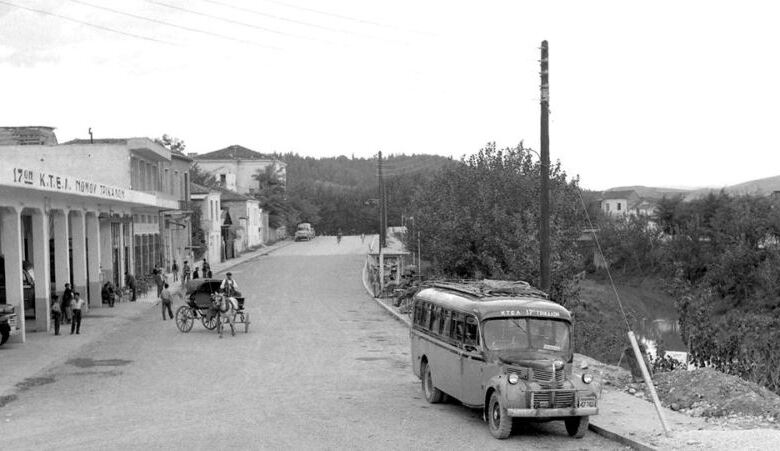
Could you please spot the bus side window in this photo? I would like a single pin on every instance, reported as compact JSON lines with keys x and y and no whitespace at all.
{"x":428,"y":316}
{"x":436,"y":320}
{"x":472,"y":332}
{"x":457,"y":327}
{"x":445,"y":329}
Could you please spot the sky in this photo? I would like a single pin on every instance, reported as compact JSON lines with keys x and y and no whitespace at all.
{"x":663,"y":93}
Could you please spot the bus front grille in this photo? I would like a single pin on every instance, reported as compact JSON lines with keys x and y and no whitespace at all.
{"x":546,"y":379}
{"x":552,"y":399}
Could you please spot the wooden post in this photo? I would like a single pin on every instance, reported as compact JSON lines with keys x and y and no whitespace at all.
{"x":648,"y":381}
{"x":544,"y":205}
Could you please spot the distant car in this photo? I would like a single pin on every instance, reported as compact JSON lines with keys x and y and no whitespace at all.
{"x":28,"y":286}
{"x":305,"y":232}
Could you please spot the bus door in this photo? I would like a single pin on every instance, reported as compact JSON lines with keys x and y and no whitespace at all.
{"x":472,"y":362}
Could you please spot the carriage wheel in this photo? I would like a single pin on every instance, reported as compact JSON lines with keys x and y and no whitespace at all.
{"x":184,"y":318}
{"x":246,"y":323}
{"x":209,"y":323}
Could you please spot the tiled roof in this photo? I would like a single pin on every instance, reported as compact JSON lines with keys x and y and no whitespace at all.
{"x":199,"y":189}
{"x":619,"y":194}
{"x":228,"y":195}
{"x":234,"y":152}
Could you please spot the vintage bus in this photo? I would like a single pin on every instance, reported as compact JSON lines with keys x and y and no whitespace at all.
{"x":503,"y":348}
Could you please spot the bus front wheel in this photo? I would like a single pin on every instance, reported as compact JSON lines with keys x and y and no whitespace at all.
{"x":577,"y":426}
{"x":499,"y":422}
{"x":432,"y":394}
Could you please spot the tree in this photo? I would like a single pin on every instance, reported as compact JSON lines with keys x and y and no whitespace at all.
{"x":171,"y":143}
{"x":203,"y":178}
{"x":480,"y":219}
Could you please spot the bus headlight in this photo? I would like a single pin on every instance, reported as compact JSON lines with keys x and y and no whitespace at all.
{"x":513,"y":378}
{"x":587,"y":378}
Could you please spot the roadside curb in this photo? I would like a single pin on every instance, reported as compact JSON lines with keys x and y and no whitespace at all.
{"x":623,"y":440}
{"x":261,"y":253}
{"x":390,"y":310}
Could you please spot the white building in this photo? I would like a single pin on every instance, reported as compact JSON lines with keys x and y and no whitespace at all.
{"x":101,"y":207}
{"x":235,"y":167}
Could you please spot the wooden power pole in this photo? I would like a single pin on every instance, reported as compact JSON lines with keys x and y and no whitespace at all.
{"x":544,"y":204}
{"x":382,"y":225}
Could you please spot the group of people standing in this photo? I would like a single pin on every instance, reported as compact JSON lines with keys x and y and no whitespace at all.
{"x":67,"y":309}
{"x":187,"y":273}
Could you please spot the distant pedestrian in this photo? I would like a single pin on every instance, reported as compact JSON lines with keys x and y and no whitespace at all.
{"x":206,"y":268}
{"x":130,"y":282}
{"x":56,"y":313}
{"x":195,"y":274}
{"x":107,"y":293}
{"x":175,"y":270}
{"x":67,"y":296}
{"x":362,"y":238}
{"x":167,"y":300}
{"x":75,"y":305}
{"x":159,"y":280}
{"x":185,"y":272}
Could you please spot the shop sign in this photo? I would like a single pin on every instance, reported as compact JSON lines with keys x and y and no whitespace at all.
{"x":47,"y":181}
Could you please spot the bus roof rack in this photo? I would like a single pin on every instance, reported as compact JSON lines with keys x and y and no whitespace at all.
{"x":490,"y":288}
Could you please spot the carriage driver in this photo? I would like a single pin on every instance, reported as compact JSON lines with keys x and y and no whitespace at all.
{"x":229,"y":286}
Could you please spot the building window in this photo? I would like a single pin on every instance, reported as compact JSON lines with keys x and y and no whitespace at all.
{"x":222,"y":179}
{"x":618,"y":206}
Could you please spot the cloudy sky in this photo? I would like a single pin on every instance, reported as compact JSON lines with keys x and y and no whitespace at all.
{"x":666,"y":93}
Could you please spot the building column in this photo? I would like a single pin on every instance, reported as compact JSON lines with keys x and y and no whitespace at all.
{"x":40,"y":257}
{"x":11,"y":245}
{"x":79,"y":247}
{"x":60,"y":235}
{"x":93,"y":259}
{"x":121,"y":244}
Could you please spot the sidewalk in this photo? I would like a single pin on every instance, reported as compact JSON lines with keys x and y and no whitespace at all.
{"x":21,"y":362}
{"x":634,"y":422}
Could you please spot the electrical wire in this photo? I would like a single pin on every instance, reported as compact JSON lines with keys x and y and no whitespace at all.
{"x":340,"y":16}
{"x":169,"y":24}
{"x":606,"y":263}
{"x":286,"y":19}
{"x":89,"y":24}
{"x":234,"y":22}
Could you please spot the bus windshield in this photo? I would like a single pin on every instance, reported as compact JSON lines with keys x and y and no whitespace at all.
{"x":528,"y":336}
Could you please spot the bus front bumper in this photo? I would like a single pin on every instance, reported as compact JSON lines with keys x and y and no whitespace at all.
{"x":551,"y":413}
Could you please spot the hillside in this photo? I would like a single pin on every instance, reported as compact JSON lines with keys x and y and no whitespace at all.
{"x":763,"y":186}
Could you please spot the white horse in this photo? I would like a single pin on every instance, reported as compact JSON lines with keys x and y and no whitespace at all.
{"x":225,"y":307}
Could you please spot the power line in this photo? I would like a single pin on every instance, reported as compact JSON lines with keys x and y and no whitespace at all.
{"x":234,"y":22}
{"x":89,"y":24}
{"x":286,"y":19}
{"x":340,"y":16}
{"x":169,"y":24}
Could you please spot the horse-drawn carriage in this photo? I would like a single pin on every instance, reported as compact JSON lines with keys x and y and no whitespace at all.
{"x":204,"y":300}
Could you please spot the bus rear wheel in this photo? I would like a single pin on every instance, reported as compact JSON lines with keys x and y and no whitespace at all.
{"x":499,"y":421}
{"x":432,"y":394}
{"x":577,"y":426}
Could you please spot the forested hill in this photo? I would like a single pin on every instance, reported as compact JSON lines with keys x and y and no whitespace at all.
{"x":340,"y":192}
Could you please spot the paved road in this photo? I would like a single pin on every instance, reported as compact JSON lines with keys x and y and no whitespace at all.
{"x":323,"y":367}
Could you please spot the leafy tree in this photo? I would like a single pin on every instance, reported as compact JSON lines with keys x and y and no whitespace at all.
{"x":171,"y":143}
{"x":481,"y":219}
{"x":201,"y":177}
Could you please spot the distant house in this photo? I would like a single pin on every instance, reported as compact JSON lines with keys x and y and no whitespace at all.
{"x":619,"y":203}
{"x":644,"y":208}
{"x":208,"y":199}
{"x":235,"y":167}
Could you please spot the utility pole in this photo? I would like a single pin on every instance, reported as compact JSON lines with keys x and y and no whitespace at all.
{"x":382,"y":225}
{"x":544,"y":213}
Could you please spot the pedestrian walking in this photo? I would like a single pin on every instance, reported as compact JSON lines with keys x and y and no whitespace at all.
{"x":362,"y":238}
{"x":159,"y":280}
{"x":195,"y":274}
{"x":67,"y":296}
{"x":175,"y":270}
{"x":56,"y":313}
{"x":75,"y":305}
{"x":185,"y":272}
{"x":206,"y":268}
{"x":130,"y":283}
{"x":167,"y":300}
